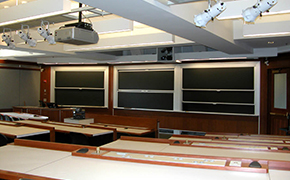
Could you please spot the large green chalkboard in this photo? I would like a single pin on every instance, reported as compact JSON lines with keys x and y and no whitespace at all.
{"x":153,"y":80}
{"x":79,"y":97}
{"x":219,"y":78}
{"x":219,"y":96}
{"x":220,"y":108}
{"x":79,"y":79}
{"x":162,"y":101}
{"x":84,"y":88}
{"x":221,"y":90}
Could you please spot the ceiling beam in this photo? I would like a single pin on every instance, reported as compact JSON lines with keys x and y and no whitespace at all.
{"x":160,"y":16}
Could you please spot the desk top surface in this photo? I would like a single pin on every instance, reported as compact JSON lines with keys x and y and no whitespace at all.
{"x":43,"y":108}
{"x":21,"y":131}
{"x":136,"y":145}
{"x":71,"y":128}
{"x":124,"y":129}
{"x":61,"y":165}
{"x":73,"y":168}
{"x":23,"y":159}
{"x":206,"y":151}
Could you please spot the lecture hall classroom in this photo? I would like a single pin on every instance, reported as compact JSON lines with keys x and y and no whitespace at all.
{"x":145,"y":89}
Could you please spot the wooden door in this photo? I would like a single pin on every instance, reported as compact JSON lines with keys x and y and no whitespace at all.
{"x":280,"y":101}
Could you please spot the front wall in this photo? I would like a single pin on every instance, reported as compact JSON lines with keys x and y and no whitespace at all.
{"x":199,"y":122}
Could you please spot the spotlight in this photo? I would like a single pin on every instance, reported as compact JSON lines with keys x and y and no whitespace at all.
{"x":25,"y":36}
{"x":45,"y":32}
{"x":251,"y":13}
{"x":203,"y":18}
{"x":7,"y":38}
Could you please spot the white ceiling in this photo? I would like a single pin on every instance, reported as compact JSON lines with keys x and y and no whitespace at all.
{"x":159,"y":24}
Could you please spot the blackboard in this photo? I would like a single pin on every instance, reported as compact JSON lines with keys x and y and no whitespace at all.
{"x":220,"y":108}
{"x":79,"y":97}
{"x":219,"y":96}
{"x":151,"y":80}
{"x":162,"y":101}
{"x":218,"y":78}
{"x":79,"y":79}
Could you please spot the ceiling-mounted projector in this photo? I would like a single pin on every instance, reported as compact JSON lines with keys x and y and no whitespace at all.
{"x":80,"y":33}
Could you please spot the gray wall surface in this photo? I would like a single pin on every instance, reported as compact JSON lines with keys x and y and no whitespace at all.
{"x":19,"y":87}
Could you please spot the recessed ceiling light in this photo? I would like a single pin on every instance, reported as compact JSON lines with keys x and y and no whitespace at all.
{"x":271,"y":42}
{"x":5,"y":7}
{"x":23,"y":2}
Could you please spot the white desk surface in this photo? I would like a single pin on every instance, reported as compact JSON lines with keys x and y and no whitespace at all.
{"x":279,"y":175}
{"x":136,"y":145}
{"x":25,"y":115}
{"x":23,"y":159}
{"x":61,"y":165}
{"x":89,"y":168}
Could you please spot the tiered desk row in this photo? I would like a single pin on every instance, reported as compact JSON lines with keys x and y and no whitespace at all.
{"x":134,"y":157}
{"x":213,"y":156}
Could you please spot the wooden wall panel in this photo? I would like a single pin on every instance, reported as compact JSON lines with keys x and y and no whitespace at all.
{"x":271,"y":124}
{"x":198,"y":122}
{"x":277,"y":122}
{"x":34,"y":111}
{"x":45,"y":84}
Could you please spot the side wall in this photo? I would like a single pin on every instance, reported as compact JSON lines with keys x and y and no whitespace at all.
{"x":20,"y":85}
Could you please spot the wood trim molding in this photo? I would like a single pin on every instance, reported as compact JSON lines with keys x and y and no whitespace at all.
{"x":49,"y":145}
{"x":17,"y":176}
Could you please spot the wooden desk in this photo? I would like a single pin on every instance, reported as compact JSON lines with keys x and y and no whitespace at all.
{"x":150,"y":124}
{"x":21,"y":131}
{"x":61,"y":165}
{"x":136,"y":145}
{"x":246,"y":136}
{"x":71,"y":168}
{"x":207,"y":151}
{"x":272,"y":157}
{"x":66,"y":128}
{"x":96,"y":136}
{"x":209,"y":142}
{"x":139,"y":131}
{"x":258,"y":141}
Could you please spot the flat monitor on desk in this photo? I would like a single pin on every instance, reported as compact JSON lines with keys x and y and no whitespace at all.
{"x":52,"y":105}
{"x":79,"y":113}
